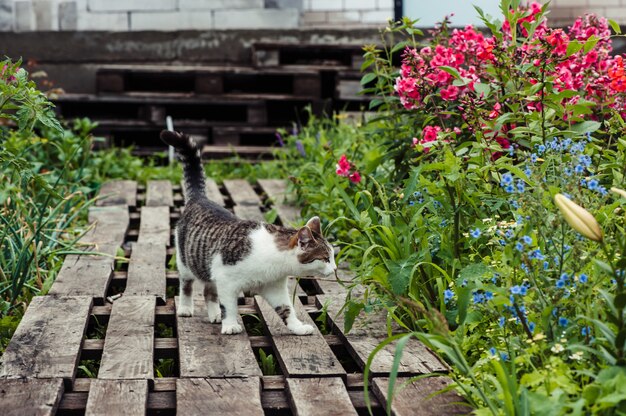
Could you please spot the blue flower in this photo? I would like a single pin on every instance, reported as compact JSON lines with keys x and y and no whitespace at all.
{"x":411,"y":203}
{"x":516,"y":290}
{"x":585,"y":331}
{"x":560,"y":284}
{"x":520,"y":186}
{"x":527,"y":171}
{"x":475,"y":233}
{"x":527,"y":239}
{"x":531,"y":326}
{"x":546,"y":265}
{"x":592,"y":184}
{"x":502,"y":242}
{"x":533,"y":158}
{"x":478,"y":297}
{"x":579,"y":169}
{"x":541,"y":148}
{"x":504,"y":356}
{"x":583,"y":278}
{"x":567,"y":171}
{"x":564,"y":276}
{"x":447,"y":295}
{"x":536,"y":255}
{"x":508,"y":233}
{"x":493,"y":350}
{"x":509,"y":189}
{"x":514,"y":203}
{"x":519,"y":246}
{"x":563,"y":321}
{"x":507,"y":179}
{"x":488,"y":295}
{"x":501,"y":321}
{"x":523,"y":291}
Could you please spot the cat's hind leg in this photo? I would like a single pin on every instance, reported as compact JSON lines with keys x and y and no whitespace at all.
{"x":228,"y":292}
{"x":212,"y":303}
{"x":277,"y":295}
{"x":185,"y":298}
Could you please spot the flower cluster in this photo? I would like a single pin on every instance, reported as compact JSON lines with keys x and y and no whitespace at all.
{"x":346,"y":168}
{"x":457,"y":61}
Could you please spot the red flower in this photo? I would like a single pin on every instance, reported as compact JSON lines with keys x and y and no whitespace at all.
{"x":355,"y":177}
{"x":343,"y":166}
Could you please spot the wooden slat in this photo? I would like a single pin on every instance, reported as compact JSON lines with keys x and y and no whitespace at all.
{"x":129,"y":341}
{"x":30,"y":397}
{"x":368,"y":331}
{"x":146,"y":270}
{"x":246,"y":201}
{"x":47,"y":342}
{"x":159,"y":193}
{"x":319,"y":397}
{"x":276,"y":190}
{"x":199,"y":396}
{"x":118,"y":192}
{"x":108,"y":226}
{"x":299,"y":355}
{"x":117,"y":397}
{"x":419,"y":399}
{"x":84,"y":275}
{"x":205,"y":352}
{"x":154,"y":226}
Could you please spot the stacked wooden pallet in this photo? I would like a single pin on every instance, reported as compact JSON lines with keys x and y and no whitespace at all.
{"x":227,"y":107}
{"x":84,"y":321}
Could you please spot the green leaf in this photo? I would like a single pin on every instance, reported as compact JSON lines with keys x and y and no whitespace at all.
{"x":573,"y":47}
{"x":400,"y":272}
{"x":351,"y":311}
{"x":615,"y":27}
{"x":367,"y":78}
{"x":451,"y":71}
{"x":482,"y":89}
{"x":620,"y":301}
{"x":586,"y":127}
{"x":590,"y":43}
{"x":474,"y":272}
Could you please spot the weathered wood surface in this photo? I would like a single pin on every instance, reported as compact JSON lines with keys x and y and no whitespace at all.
{"x":47,"y":342}
{"x":90,"y":275}
{"x":419,"y":397}
{"x":159,"y":193}
{"x":319,"y":397}
{"x":117,"y":397}
{"x":155,"y":225}
{"x":276,"y":190}
{"x":247,"y":202}
{"x":146,"y":270}
{"x":33,"y":397}
{"x":118,"y":192}
{"x":203,"y":396}
{"x":128,"y":345}
{"x":299,"y":355}
{"x":84,"y":275}
{"x":369,"y":330}
{"x":205,"y":352}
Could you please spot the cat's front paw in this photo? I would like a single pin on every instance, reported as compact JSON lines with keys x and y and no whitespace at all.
{"x":302,"y":329}
{"x":228,"y":329}
{"x":215,"y":314}
{"x":185,"y":310}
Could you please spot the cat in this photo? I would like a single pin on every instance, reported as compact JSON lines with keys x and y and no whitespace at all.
{"x":230,"y":255}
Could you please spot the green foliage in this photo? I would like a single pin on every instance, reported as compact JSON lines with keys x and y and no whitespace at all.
{"x":268,"y":364}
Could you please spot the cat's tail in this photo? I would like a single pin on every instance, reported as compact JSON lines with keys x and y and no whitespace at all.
{"x":189,"y":155}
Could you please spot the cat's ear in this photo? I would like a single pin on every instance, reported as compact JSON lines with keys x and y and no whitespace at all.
{"x":314,"y":225}
{"x":305,"y":237}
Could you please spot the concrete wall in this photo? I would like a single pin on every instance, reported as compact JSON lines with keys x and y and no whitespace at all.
{"x":563,"y":12}
{"x":170,"y":15}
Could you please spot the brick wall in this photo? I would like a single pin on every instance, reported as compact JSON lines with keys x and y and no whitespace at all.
{"x":563,"y":12}
{"x":169,"y":15}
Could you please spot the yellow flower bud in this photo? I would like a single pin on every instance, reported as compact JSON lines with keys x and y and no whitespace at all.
{"x":618,"y":191}
{"x":578,"y":218}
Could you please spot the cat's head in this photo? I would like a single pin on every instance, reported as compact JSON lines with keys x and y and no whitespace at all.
{"x":315,"y":254}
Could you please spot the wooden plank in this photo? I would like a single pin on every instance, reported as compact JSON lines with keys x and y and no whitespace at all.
{"x":276,"y":190}
{"x":47,"y":341}
{"x":201,"y":396}
{"x":299,"y":356}
{"x":247,"y":202}
{"x":368,"y":331}
{"x":117,"y":397}
{"x":108,"y":226}
{"x":30,"y":397}
{"x":205,"y":352}
{"x":419,"y":397}
{"x":159,"y":193}
{"x":319,"y":397}
{"x":84,"y":275}
{"x":154,"y":225}
{"x":129,"y":341}
{"x":146,"y":270}
{"x":118,"y":192}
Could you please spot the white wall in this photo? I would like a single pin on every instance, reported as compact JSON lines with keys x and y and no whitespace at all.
{"x":431,"y":12}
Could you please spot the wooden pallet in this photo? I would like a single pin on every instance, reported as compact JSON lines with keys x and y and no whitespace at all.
{"x":307,"y":55}
{"x":211,"y":373}
{"x":213,"y":80}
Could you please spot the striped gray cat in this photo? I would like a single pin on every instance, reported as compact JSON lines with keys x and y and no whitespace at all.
{"x":230,"y":255}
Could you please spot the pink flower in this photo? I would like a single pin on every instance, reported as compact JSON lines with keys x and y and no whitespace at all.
{"x":355,"y":177}
{"x":450,"y":93}
{"x":343,"y":166}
